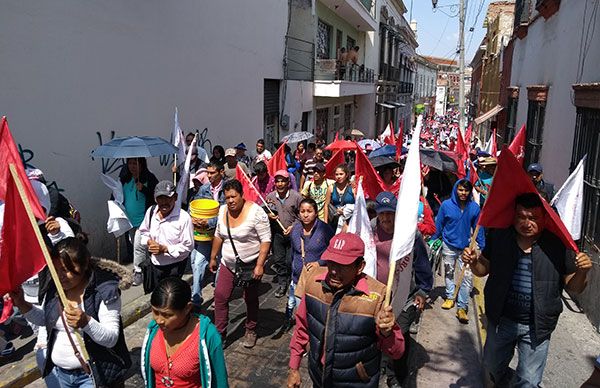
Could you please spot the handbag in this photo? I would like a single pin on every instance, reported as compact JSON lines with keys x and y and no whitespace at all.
{"x":243,"y":273}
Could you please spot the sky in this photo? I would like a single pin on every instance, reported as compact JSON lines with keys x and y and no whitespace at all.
{"x":437,"y":33}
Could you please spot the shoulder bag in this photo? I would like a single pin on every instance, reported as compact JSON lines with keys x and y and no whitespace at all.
{"x":242,"y":276}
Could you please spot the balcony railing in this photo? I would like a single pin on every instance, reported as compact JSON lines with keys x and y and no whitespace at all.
{"x":332,"y":70}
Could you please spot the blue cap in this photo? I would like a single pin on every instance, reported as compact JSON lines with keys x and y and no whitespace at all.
{"x":241,"y":146}
{"x":386,"y":202}
{"x":535,"y":167}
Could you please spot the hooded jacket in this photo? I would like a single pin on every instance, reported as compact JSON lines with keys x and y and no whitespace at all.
{"x":213,"y":371}
{"x":454,"y":224}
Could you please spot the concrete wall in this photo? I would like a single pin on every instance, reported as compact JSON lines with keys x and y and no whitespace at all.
{"x":69,"y":69}
{"x":550,"y":55}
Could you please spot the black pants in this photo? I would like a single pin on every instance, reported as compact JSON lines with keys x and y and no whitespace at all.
{"x":160,"y":272}
{"x":282,"y":258}
{"x":397,"y":371}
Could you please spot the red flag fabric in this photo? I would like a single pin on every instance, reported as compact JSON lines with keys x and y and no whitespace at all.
{"x":21,"y":255}
{"x":10,"y":154}
{"x":372,"y":183}
{"x":399,"y":141}
{"x":337,"y":136}
{"x":468,"y":137}
{"x":461,"y":147}
{"x":391,"y":139}
{"x":517,"y":146}
{"x":473,"y":176}
{"x":510,"y":181}
{"x":494,"y":144}
{"x":336,"y":159}
{"x":250,"y":192}
{"x":277,"y":162}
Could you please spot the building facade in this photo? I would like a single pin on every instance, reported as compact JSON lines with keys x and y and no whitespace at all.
{"x":425,"y":85}
{"x":555,"y":90}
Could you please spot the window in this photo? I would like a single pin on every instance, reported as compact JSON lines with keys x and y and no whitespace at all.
{"x":323,"y":40}
{"x":322,"y":124}
{"x":512,"y":105}
{"x":587,"y":142}
{"x":348,"y":116}
{"x":537,"y":96}
{"x":350,"y":43}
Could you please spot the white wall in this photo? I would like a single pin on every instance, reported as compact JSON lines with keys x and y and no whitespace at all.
{"x":70,"y":68}
{"x":549,"y":55}
{"x":299,"y":98}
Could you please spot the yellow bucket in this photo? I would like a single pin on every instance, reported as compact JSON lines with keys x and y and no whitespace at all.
{"x":204,"y":209}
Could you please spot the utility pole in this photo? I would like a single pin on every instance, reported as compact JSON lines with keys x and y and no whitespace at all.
{"x":461,"y":64}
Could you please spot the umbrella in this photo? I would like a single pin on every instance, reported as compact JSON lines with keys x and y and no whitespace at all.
{"x":134,"y":147}
{"x":297,"y":137}
{"x":380,"y":161}
{"x":373,"y":143}
{"x":342,"y":145}
{"x":356,"y":132}
{"x":386,"y":150}
{"x":440,"y":160}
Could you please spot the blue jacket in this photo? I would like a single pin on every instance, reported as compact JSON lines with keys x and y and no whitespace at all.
{"x":204,"y":192}
{"x":314,"y":246}
{"x":454,"y":224}
{"x":213,"y":371}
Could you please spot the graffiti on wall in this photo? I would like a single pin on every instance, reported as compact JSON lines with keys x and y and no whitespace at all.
{"x":27,"y":157}
{"x":109,"y":165}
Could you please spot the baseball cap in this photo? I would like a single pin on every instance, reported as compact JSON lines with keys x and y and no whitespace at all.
{"x":487,"y":161}
{"x":385,"y":202}
{"x":344,"y":248}
{"x":241,"y":146}
{"x":165,"y":188}
{"x":535,"y":167}
{"x":230,"y":152}
{"x":319,"y":167}
{"x":282,"y":173}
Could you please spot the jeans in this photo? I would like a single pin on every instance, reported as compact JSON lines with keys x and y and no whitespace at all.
{"x":293,"y":301}
{"x":199,"y":260}
{"x":500,"y":347}
{"x":282,"y":258}
{"x":51,"y":380}
{"x":451,"y":256}
{"x":224,"y":289}
{"x":140,"y":252}
{"x":73,"y":379}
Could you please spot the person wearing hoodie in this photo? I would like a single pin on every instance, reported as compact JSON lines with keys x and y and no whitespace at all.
{"x":181,"y":349}
{"x":455,"y":221}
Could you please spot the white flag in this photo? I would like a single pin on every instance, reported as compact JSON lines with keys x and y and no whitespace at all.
{"x":117,"y":223}
{"x":386,"y":133}
{"x":405,"y":226}
{"x":182,"y":185}
{"x":178,"y":139}
{"x":569,"y":201}
{"x":361,"y":225}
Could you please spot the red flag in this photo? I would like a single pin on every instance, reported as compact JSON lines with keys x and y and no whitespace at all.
{"x":277,"y":162}
{"x":250,"y":191}
{"x":473,"y":176}
{"x":468,"y":137}
{"x":391,"y":139}
{"x":372,"y":182}
{"x":399,"y":141}
{"x":494,"y":144}
{"x":336,"y":159}
{"x":461,"y":147}
{"x":10,"y":154}
{"x":517,"y":147}
{"x":510,"y":181}
{"x":21,"y":255}
{"x":337,"y":136}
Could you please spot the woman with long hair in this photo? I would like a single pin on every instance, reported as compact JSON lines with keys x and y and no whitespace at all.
{"x":92,"y":287}
{"x":341,"y":194}
{"x":243,"y":237}
{"x":309,"y":239}
{"x":218,"y":155}
{"x":138,"y":195}
{"x":181,"y":349}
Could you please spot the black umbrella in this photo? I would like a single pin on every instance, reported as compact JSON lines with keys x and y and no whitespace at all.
{"x":381,"y":161}
{"x":440,"y":160}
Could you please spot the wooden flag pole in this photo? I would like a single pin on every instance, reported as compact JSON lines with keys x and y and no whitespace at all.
{"x":261,"y":197}
{"x":464,"y":268}
{"x":38,"y":234}
{"x":175,"y":172}
{"x":390,"y":283}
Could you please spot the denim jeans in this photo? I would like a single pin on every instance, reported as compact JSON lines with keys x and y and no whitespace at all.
{"x":199,"y":260}
{"x":451,"y":256}
{"x":293,"y":301}
{"x":500,"y":347}
{"x":51,"y":380}
{"x":73,"y":379}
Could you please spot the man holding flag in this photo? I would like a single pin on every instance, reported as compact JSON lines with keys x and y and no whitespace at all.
{"x":528,"y":266}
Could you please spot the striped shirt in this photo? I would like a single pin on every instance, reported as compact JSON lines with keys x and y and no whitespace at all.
{"x":519,"y":301}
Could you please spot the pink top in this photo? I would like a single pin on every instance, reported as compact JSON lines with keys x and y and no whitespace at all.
{"x":185,"y":364}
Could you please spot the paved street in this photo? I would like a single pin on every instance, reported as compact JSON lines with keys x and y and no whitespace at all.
{"x":446,"y":352}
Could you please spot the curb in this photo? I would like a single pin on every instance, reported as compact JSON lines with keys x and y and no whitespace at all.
{"x":25,"y":371}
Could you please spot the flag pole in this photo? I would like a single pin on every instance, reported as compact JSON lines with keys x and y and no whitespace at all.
{"x":464,"y":268}
{"x":261,"y":197}
{"x":40,"y":239}
{"x":175,"y":172}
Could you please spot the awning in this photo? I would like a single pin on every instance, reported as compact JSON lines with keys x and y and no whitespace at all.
{"x":386,"y":105}
{"x":488,"y":115}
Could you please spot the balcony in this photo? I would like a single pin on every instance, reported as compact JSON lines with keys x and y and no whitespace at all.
{"x":522,"y":13}
{"x":333,"y":80}
{"x":359,"y":13}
